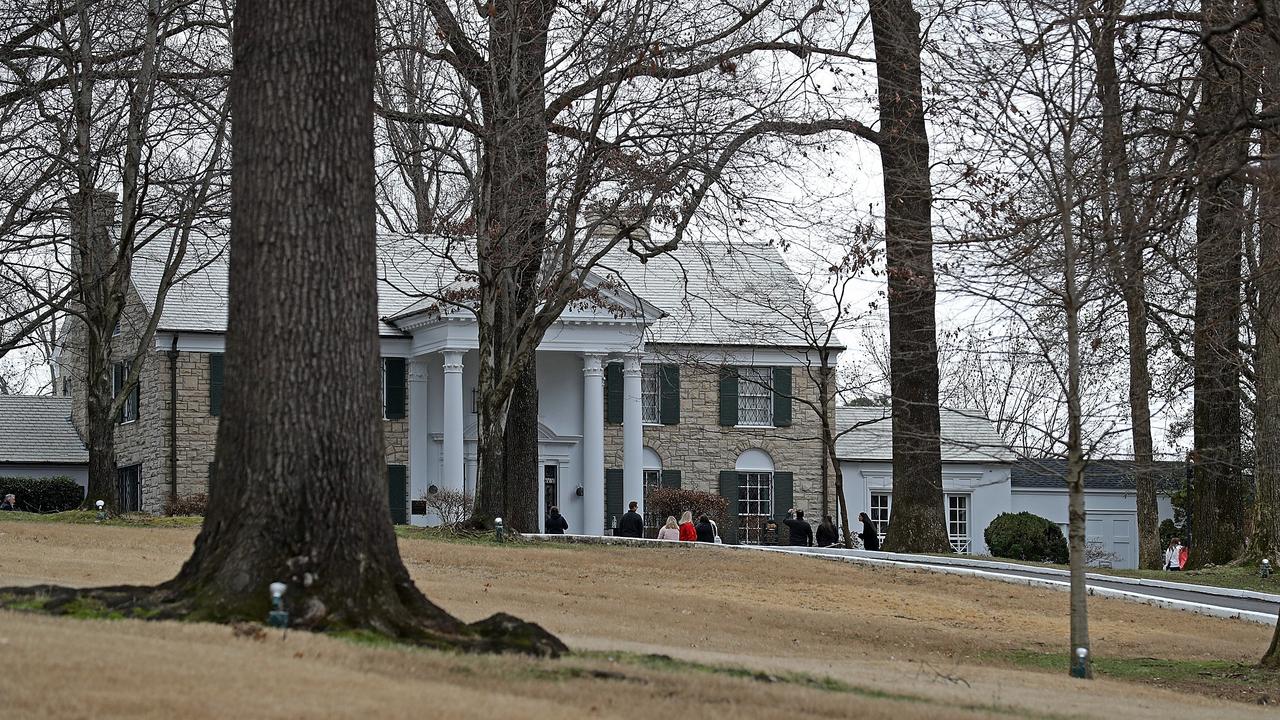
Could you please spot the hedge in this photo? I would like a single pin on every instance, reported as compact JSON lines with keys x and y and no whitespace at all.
{"x":1024,"y":536}
{"x":664,"y":502}
{"x":43,"y":494}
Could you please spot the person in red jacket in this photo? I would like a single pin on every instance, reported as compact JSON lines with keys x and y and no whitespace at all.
{"x":688,"y":532}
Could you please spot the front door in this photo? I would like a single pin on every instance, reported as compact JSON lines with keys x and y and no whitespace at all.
{"x":550,"y":488}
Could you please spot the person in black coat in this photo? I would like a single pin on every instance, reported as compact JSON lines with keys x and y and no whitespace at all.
{"x":870,"y":538}
{"x":631,"y":525}
{"x":801,"y":534}
{"x":556,"y":524}
{"x":827,"y":535}
{"x":706,"y":531}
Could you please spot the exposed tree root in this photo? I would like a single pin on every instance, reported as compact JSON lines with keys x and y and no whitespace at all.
{"x":499,"y":633}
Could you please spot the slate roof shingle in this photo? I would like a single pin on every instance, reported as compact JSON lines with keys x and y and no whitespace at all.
{"x":967,"y":436}
{"x":740,"y":294}
{"x":38,"y":430}
{"x":1051,"y":473}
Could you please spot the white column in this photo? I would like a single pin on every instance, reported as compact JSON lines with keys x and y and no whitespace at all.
{"x":419,"y":477}
{"x":592,"y":445}
{"x":454,"y":412}
{"x":632,"y":434}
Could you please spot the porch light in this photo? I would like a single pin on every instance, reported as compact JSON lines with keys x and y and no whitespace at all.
{"x":278,"y":617}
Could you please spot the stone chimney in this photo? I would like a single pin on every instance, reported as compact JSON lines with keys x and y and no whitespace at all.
{"x":99,"y":251}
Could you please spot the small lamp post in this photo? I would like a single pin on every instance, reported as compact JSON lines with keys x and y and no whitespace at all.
{"x":497,"y":529}
{"x":1265,"y":570}
{"x":102,"y":510}
{"x":278,"y":617}
{"x":1080,"y":664}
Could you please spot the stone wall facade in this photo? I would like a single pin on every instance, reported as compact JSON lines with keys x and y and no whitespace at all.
{"x":700,"y":447}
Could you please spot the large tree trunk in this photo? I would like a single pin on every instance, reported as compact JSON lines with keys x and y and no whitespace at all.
{"x":918,"y":523}
{"x":1218,"y":494}
{"x":512,"y":239}
{"x":300,"y":491}
{"x":1125,"y":245}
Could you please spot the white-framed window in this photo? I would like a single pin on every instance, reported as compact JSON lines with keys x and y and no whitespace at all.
{"x":755,"y":396}
{"x":755,"y":504}
{"x":879,"y":509}
{"x":958,"y":522}
{"x":650,"y":395}
{"x":475,"y":401}
{"x":120,"y":373}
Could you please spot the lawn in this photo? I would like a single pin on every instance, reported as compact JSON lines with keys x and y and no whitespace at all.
{"x":670,"y":631}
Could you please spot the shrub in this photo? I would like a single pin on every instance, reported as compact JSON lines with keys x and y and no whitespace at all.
{"x":43,"y":494}
{"x":450,"y":506}
{"x":664,"y":502}
{"x":187,"y":505}
{"x":1024,"y":536}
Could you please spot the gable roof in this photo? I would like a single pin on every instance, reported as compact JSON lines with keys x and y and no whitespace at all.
{"x":712,"y":293}
{"x":1051,"y":473}
{"x":967,"y":436}
{"x":37,"y":429}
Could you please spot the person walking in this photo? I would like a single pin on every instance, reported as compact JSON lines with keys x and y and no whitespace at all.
{"x":687,"y":532}
{"x":801,"y":534}
{"x":827,"y":535}
{"x":706,"y":531}
{"x":556,"y":524}
{"x":1173,"y":556}
{"x":631,"y":525}
{"x":670,"y":531}
{"x":870,"y":537}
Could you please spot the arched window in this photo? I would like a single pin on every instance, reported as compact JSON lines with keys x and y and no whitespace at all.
{"x":652,"y":469}
{"x":755,"y":493}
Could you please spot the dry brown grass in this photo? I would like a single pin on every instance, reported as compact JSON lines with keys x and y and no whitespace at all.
{"x":913,"y":636}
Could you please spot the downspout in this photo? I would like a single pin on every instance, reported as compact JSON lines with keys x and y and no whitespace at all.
{"x":173,"y":419}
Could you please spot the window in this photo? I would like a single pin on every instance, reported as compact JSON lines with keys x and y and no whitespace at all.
{"x":129,"y":480}
{"x":66,"y":387}
{"x":650,"y":397}
{"x":120,"y":373}
{"x":475,"y":401}
{"x":958,"y":522}
{"x":755,"y":398}
{"x":755,"y":504}
{"x":115,"y":331}
{"x":550,"y":488}
{"x":881,"y":503}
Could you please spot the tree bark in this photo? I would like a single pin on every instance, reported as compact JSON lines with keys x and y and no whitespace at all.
{"x":1125,"y":245}
{"x":918,"y":523}
{"x":513,"y":216}
{"x":1218,"y":492}
{"x":299,"y":493}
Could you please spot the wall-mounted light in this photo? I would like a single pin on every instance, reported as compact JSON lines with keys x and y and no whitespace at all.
{"x":578,"y":492}
{"x":432,"y":490}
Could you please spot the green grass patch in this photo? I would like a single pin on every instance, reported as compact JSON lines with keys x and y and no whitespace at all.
{"x":90,"y":517}
{"x":1149,"y":670}
{"x":90,"y":609}
{"x":15,"y":602}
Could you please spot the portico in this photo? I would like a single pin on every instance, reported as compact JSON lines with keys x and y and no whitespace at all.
{"x":443,"y":374}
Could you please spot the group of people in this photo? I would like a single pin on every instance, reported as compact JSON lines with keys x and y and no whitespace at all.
{"x":800,"y":533}
{"x":10,"y":502}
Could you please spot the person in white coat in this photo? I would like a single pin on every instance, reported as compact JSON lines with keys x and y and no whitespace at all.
{"x":1173,"y":555}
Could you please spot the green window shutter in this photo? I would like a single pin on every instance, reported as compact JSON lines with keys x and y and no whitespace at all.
{"x":613,"y":392}
{"x":671,"y":479}
{"x":669,"y":394}
{"x":781,"y":397}
{"x":398,"y":493}
{"x":215,"y":383}
{"x":612,"y":497}
{"x":393,"y":377}
{"x":729,"y":491}
{"x":783,"y":495}
{"x":729,"y":396}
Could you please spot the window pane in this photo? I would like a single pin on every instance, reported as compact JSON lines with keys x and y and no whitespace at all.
{"x":649,"y":393}
{"x":958,"y":522}
{"x":755,"y":398}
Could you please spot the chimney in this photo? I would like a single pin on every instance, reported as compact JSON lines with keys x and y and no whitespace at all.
{"x":98,"y":251}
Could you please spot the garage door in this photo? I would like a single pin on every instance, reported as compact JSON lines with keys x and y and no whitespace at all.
{"x":1115,"y":535}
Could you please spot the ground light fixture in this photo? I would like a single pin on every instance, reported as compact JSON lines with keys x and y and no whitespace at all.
{"x":1081,"y":660}
{"x":102,"y":510}
{"x":1265,"y":570}
{"x":497,"y":529}
{"x":278,"y":617}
